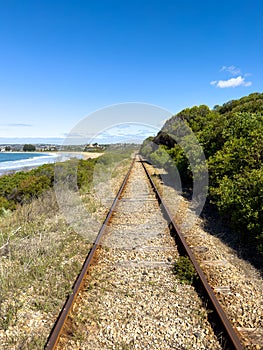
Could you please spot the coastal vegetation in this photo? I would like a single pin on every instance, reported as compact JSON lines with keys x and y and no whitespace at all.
{"x":231,"y":137}
{"x":22,"y":187}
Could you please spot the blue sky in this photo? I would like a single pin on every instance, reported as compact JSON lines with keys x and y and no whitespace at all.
{"x":62,"y":60}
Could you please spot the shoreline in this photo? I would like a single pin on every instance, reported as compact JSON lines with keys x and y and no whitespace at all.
{"x":86,"y":155}
{"x":56,"y":157}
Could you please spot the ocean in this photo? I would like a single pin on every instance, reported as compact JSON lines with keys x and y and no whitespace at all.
{"x":18,"y":161}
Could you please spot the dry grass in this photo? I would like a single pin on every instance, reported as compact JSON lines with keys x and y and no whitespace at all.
{"x":40,"y":257}
{"x":39,"y":262}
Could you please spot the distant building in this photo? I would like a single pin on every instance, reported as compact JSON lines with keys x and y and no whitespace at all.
{"x":93,"y":147}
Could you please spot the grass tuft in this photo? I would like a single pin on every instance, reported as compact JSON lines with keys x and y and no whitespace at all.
{"x":185,"y":270}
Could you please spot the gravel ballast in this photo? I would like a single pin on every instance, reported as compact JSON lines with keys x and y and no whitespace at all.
{"x":132,"y":298}
{"x":236,"y":283}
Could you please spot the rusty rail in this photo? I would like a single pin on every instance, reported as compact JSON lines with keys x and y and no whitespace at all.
{"x":57,"y":329}
{"x":232,"y":335}
{"x":54,"y":336}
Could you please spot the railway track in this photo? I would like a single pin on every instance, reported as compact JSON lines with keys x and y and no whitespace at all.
{"x":127,"y":295}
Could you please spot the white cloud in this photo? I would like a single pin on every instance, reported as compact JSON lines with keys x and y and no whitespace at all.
{"x":237,"y":79}
{"x":233,"y":82}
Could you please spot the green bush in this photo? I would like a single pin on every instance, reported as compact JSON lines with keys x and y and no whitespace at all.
{"x":4,"y":205}
{"x":240,"y":201}
{"x":232,"y":139}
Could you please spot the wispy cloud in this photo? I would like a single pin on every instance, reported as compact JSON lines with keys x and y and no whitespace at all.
{"x":233,"y":70}
{"x":239,"y":80}
{"x":21,"y":140}
{"x":15,"y":125}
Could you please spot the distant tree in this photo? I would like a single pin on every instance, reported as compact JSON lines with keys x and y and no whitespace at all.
{"x":29,"y":148}
{"x":7,"y":148}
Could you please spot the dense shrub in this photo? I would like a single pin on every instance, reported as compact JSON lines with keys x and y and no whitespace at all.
{"x":22,"y":187}
{"x":5,"y":204}
{"x":232,"y":139}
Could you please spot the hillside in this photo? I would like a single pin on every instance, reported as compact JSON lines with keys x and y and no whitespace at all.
{"x":231,"y":137}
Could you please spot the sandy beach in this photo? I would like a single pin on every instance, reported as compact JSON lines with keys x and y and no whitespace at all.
{"x":86,"y":155}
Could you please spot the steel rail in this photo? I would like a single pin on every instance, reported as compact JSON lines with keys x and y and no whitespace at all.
{"x":57,"y":329}
{"x":232,"y":335}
